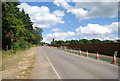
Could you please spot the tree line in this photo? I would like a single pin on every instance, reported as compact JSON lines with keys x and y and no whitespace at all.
{"x":17,"y":28}
{"x":82,"y":41}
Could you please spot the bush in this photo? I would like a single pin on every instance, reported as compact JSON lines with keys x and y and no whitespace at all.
{"x":16,"y":45}
{"x":21,"y":44}
{"x":24,"y":45}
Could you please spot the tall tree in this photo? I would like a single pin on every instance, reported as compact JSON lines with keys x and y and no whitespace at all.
{"x":12,"y":26}
{"x":17,"y":27}
{"x":95,"y":41}
{"x":53,"y":41}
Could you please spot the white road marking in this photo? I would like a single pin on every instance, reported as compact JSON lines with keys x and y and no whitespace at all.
{"x":52,"y":65}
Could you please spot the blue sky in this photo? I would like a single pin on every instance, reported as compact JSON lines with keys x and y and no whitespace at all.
{"x":73,"y":20}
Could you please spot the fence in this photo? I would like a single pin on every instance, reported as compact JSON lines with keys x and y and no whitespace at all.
{"x":103,"y":48}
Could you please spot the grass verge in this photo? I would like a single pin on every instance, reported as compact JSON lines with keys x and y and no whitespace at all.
{"x":9,"y":58}
{"x":26,"y":73}
{"x":20,"y":64}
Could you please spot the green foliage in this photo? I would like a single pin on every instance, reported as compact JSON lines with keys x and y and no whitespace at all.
{"x":82,"y":41}
{"x":107,"y":41}
{"x":85,"y":41}
{"x":18,"y":32}
{"x":53,"y":41}
{"x":21,"y":44}
{"x":43,"y":43}
{"x":95,"y":41}
{"x":118,"y":41}
{"x":15,"y":45}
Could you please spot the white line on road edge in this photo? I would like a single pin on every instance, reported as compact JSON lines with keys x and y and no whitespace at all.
{"x":51,"y":65}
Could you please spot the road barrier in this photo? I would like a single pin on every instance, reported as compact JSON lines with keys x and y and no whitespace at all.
{"x":65,"y":50}
{"x":103,"y":48}
{"x":97,"y":55}
{"x":71,"y":51}
{"x":114,"y":58}
{"x":114,"y":61}
{"x":86,"y":53}
{"x":80,"y":52}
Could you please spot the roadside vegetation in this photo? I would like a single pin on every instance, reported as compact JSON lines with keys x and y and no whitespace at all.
{"x":18,"y":32}
{"x":10,"y":59}
{"x":82,"y":41}
{"x":18,"y":36}
{"x":19,"y":65}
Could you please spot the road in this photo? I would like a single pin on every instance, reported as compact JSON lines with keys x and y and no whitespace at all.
{"x":52,"y":63}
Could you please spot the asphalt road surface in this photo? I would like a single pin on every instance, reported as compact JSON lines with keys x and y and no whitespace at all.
{"x":52,"y":63}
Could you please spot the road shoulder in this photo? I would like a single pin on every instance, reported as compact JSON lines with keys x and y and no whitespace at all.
{"x":43,"y":69}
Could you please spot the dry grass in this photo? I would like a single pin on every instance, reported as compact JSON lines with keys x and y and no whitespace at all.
{"x":9,"y":59}
{"x":19,"y":65}
{"x":26,"y":73}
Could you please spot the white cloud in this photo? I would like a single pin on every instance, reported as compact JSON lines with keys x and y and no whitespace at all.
{"x":98,"y":9}
{"x":73,"y":38}
{"x":95,"y":0}
{"x":113,"y":27}
{"x":56,"y":30}
{"x":98,"y":31}
{"x":80,"y":13}
{"x":41,"y":16}
{"x":90,"y":31}
{"x":102,"y":37}
{"x":59,"y":13}
{"x":62,"y":3}
{"x":88,"y":0}
{"x":102,"y":8}
{"x":93,"y":29}
{"x":57,"y":36}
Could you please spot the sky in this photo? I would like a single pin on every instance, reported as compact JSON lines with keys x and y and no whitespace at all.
{"x":73,"y":20}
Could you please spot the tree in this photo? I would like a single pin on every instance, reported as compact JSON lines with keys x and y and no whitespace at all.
{"x":85,"y":41}
{"x":17,"y":28}
{"x":53,"y":41}
{"x":107,"y":41}
{"x":73,"y":42}
{"x":38,"y":35}
{"x":94,"y":41}
{"x":12,"y":26}
{"x":59,"y":42}
{"x":26,"y":20}
{"x":118,"y":40}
